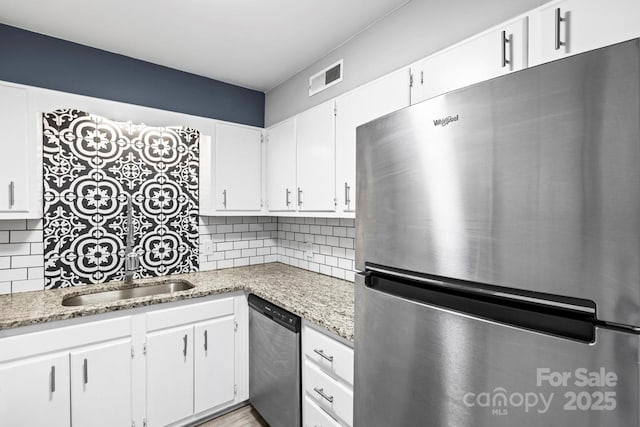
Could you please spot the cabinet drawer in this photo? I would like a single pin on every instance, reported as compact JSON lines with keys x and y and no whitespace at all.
{"x":314,"y":416}
{"x":333,"y":356}
{"x":190,"y":313}
{"x":328,"y":393}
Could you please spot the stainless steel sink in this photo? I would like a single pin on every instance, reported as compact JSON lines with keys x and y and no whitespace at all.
{"x":165,"y":287}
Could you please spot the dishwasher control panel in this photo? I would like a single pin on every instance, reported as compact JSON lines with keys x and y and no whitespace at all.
{"x":279,"y":315}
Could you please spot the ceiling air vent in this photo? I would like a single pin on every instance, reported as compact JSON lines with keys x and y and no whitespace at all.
{"x":326,"y":78}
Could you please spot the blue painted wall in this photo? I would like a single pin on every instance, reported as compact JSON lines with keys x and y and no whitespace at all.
{"x":38,"y":60}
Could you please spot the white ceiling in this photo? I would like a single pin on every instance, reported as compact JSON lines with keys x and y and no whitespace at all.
{"x":252,"y":43}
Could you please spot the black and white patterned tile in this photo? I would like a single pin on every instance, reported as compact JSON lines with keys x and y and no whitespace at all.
{"x":91,"y":167}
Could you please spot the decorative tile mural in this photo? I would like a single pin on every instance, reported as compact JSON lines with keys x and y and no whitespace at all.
{"x":92,"y":165}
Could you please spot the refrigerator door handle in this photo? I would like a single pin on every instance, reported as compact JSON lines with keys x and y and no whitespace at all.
{"x":528,"y":313}
{"x":486,"y":292}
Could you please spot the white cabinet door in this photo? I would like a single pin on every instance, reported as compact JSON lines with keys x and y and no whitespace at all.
{"x":101,"y":385}
{"x":206,"y":181}
{"x":238,"y":168}
{"x":569,"y":27}
{"x":358,"y":107}
{"x":14,"y":168}
{"x":281,"y":167}
{"x":488,"y":55}
{"x":35,"y":392}
{"x":316,"y":159}
{"x":169,"y":375}
{"x":214,"y":363}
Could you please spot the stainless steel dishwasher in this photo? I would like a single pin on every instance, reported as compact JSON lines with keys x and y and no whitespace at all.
{"x":274,"y":363}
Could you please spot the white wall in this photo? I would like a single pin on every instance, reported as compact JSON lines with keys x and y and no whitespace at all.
{"x":414,"y":31}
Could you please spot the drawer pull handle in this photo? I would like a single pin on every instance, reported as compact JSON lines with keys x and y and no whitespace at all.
{"x":324,"y":356}
{"x":321,"y":392}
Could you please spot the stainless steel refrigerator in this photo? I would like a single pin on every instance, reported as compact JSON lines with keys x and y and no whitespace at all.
{"x":498,"y":239}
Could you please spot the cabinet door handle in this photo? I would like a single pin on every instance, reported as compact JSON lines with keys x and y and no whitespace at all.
{"x":421,"y":77}
{"x":206,"y":344}
{"x":12,"y":194}
{"x":53,"y":379}
{"x":321,"y":392}
{"x":299,"y":196}
{"x":347,"y":189}
{"x":184,"y":351}
{"x":287,"y":193}
{"x":224,"y":199}
{"x":324,"y":356}
{"x":559,"y":20}
{"x":85,"y":370}
{"x":505,"y":41}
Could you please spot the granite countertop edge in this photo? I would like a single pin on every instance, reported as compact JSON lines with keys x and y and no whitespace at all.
{"x":323,"y":300}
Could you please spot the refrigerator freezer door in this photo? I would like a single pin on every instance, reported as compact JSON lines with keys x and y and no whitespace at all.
{"x":417,"y":364}
{"x":528,"y":181}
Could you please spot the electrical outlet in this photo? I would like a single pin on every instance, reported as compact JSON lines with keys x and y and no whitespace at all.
{"x":207,"y":247}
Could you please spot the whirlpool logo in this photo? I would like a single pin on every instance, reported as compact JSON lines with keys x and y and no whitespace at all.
{"x":446,"y":120}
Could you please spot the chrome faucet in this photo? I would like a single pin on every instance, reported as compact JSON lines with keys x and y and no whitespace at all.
{"x":131,"y":261}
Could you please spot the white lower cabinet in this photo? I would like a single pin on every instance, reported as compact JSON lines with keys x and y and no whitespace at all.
{"x":169,"y":375}
{"x":101,"y":385}
{"x":191,"y":368}
{"x":214,"y":363}
{"x":314,"y":416}
{"x":327,"y":380}
{"x":35,"y":392}
{"x":159,"y":366}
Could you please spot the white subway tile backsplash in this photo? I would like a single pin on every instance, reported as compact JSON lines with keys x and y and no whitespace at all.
{"x":233,"y":254}
{"x":332,"y":248}
{"x":5,"y":288}
{"x":236,"y":241}
{"x":240,"y":262}
{"x":27,"y":285}
{"x":225,"y":246}
{"x":227,"y":263}
{"x":15,"y":249}
{"x":35,"y":273}
{"x":242,"y":244}
{"x":12,"y":274}
{"x":13,"y":224}
{"x":21,"y":259}
{"x":25,"y":236}
{"x":27,"y":261}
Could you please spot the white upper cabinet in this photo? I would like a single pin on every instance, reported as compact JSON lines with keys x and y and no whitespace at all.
{"x":238,"y":168}
{"x":360,"y":106}
{"x":101,"y":385}
{"x":14,"y":143}
{"x":35,"y":392}
{"x":568,"y":27}
{"x":316,"y":159}
{"x":281,"y":167}
{"x":491,"y":54}
{"x":207,"y":176}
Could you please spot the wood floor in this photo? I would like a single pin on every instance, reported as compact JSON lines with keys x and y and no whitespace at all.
{"x":243,"y":417}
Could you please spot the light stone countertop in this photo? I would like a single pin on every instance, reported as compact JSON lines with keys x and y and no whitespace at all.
{"x":320,"y":299}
